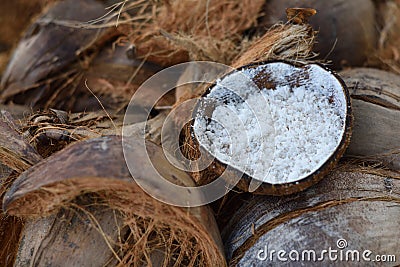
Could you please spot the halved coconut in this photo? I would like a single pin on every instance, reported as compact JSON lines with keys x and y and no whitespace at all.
{"x":282,"y":125}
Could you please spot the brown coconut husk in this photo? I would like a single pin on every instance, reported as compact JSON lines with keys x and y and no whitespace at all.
{"x":49,"y":131}
{"x":347,"y":29}
{"x":114,"y":76}
{"x":376,"y":103}
{"x":46,"y":74}
{"x":15,"y":16}
{"x":56,"y":238}
{"x":171,"y":32}
{"x":292,"y":41}
{"x":52,"y":130}
{"x":16,"y":155}
{"x":364,"y":207}
{"x":97,"y":166}
{"x":387,"y":54}
{"x":10,"y":232}
{"x":15,"y":151}
{"x":10,"y":226}
{"x":105,"y":230}
{"x":95,"y":66}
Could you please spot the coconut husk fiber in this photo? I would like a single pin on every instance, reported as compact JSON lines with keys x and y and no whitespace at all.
{"x":114,"y":75}
{"x":347,"y":32}
{"x":16,"y":155}
{"x":357,"y":204}
{"x":10,"y":226}
{"x":181,"y":236}
{"x":37,"y":71}
{"x":293,"y":41}
{"x":15,"y":151}
{"x":86,"y":224}
{"x":387,"y":54}
{"x":376,"y":104}
{"x":52,"y":130}
{"x":80,"y":67}
{"x":62,"y":231}
{"x":171,"y":32}
{"x":49,"y":131}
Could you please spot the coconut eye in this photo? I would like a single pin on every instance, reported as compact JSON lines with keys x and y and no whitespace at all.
{"x":285,"y":131}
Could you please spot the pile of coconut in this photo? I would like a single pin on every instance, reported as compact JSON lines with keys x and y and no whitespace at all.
{"x":300,"y":131}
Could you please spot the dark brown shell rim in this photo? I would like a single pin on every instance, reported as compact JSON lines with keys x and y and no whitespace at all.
{"x":299,"y":185}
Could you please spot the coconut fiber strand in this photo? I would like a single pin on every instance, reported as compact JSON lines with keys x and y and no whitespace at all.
{"x":16,"y":155}
{"x":155,"y":232}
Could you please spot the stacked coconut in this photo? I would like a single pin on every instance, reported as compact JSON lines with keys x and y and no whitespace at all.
{"x":312,"y":154}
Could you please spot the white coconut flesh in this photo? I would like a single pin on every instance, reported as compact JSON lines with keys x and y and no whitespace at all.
{"x":280,"y":131}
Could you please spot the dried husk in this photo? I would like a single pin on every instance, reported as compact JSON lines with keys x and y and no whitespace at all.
{"x":52,"y":130}
{"x":15,"y":151}
{"x":176,"y":31}
{"x":10,"y":226}
{"x":48,"y":65}
{"x":347,"y":33}
{"x":387,"y":54}
{"x":376,"y":104}
{"x":49,"y":131}
{"x":357,"y":204}
{"x":85,"y":225}
{"x":15,"y":16}
{"x":10,"y":232}
{"x":114,"y":76}
{"x":62,"y":231}
{"x":290,"y":42}
{"x":16,"y":155}
{"x":18,"y":112}
{"x":97,"y":166}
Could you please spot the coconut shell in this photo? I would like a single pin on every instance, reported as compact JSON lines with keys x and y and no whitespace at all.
{"x":16,"y":155}
{"x":349,"y":204}
{"x":40,"y":69}
{"x":15,"y":151}
{"x":376,"y":104}
{"x":98,"y":166}
{"x":80,"y":235}
{"x":62,"y":231}
{"x":346,"y":29}
{"x":193,"y":150}
{"x":10,"y":227}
